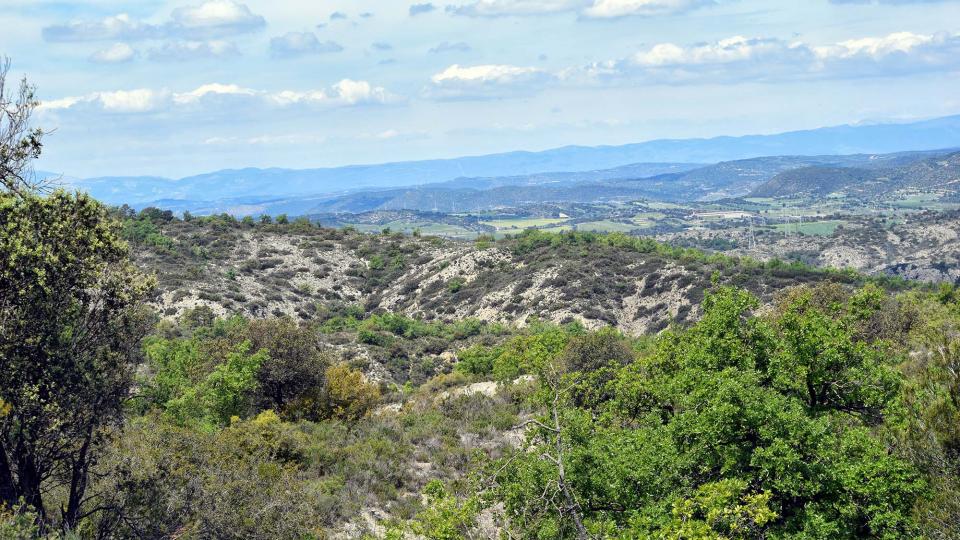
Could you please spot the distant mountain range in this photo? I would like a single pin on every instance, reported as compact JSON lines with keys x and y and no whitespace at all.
{"x":940,"y":173}
{"x":673,"y":164}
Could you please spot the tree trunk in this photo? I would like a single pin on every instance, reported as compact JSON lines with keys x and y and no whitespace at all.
{"x":28,"y":482}
{"x":78,"y":483}
{"x":8,"y":490}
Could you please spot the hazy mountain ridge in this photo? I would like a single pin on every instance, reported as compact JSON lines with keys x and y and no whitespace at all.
{"x":692,"y":183}
{"x":934,"y":173}
{"x":286,"y":183}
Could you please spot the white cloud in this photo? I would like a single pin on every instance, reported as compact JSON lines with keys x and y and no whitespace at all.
{"x":499,"y":74}
{"x":500,"y":8}
{"x":876,"y":47}
{"x":346,"y":93}
{"x":116,"y":53}
{"x":120,"y":26}
{"x":888,"y":2}
{"x":897,"y":53}
{"x":486,"y":81}
{"x":181,"y":50}
{"x":294,"y":44}
{"x":120,"y":101}
{"x":59,"y":104}
{"x":646,"y":8}
{"x":603,"y":9}
{"x":756,"y":59}
{"x":215,"y":89}
{"x":213,"y":18}
{"x":132,"y":101}
{"x":726,"y":51}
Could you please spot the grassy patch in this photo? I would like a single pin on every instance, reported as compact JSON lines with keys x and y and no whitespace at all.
{"x":815,"y":228}
{"x":522,"y":223}
{"x":606,"y":226}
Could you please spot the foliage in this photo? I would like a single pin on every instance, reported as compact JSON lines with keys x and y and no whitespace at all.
{"x":224,"y":393}
{"x":445,"y":516}
{"x":290,"y":380}
{"x":738,"y":427}
{"x":69,"y":302}
{"x":349,"y":396}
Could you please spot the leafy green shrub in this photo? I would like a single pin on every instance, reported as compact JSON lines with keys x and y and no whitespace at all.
{"x":455,"y":284}
{"x":477,"y":360}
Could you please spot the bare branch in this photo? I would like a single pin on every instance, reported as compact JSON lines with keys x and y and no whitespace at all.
{"x":20,"y":144}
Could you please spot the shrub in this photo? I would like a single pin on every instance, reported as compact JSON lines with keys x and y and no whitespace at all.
{"x":349,"y":395}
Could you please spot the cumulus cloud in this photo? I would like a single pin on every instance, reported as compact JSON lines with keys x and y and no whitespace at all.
{"x":420,"y":9}
{"x":897,"y":53}
{"x":212,"y":89}
{"x":731,"y":60}
{"x":447,"y":47}
{"x":346,"y":93}
{"x":338,"y":16}
{"x":213,"y":18}
{"x":601,"y":9}
{"x":726,"y":51}
{"x":120,"y":26}
{"x":501,"y":8}
{"x":606,"y":9}
{"x":741,"y":58}
{"x":888,"y":2}
{"x":119,"y":101}
{"x":114,"y":54}
{"x":382,"y":46}
{"x":294,"y":44}
{"x":181,"y":50}
{"x":486,"y":81}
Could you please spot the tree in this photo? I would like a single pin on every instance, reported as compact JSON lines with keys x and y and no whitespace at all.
{"x":20,"y":144}
{"x":70,"y":332}
{"x":715,"y":433}
{"x":70,"y":325}
{"x":291,"y":380}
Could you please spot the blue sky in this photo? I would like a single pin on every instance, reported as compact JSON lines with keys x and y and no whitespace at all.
{"x":176,"y":87}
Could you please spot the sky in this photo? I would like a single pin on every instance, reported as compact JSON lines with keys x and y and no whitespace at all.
{"x":178,"y":87}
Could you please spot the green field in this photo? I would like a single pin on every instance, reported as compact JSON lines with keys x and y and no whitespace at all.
{"x":815,"y":228}
{"x":606,"y":226}
{"x":559,"y":228}
{"x":426,"y":228}
{"x":918,"y":201}
{"x":522,"y":223}
{"x":656,"y":205}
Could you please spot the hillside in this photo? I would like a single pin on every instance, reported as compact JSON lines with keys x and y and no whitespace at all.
{"x":814,"y":181}
{"x":682,"y":182}
{"x":636,"y":285}
{"x":939,"y":174}
{"x":923,"y":246}
{"x":343,"y":385}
